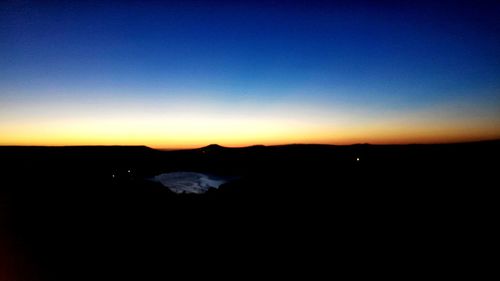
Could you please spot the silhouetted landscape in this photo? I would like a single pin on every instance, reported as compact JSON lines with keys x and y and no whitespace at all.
{"x":249,"y":140}
{"x":71,"y":212}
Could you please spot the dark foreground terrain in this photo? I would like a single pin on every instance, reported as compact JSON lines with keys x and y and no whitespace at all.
{"x":86,"y":213}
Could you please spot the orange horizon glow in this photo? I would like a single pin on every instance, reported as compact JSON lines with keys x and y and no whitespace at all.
{"x":238,"y":133}
{"x":196,"y":122}
{"x":162,"y":146}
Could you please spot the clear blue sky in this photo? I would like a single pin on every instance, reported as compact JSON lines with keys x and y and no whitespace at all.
{"x":187,"y":73}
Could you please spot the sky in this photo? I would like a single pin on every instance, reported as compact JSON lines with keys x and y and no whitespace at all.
{"x":180,"y":74}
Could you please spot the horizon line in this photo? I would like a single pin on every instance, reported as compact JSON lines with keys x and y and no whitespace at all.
{"x":253,"y":145}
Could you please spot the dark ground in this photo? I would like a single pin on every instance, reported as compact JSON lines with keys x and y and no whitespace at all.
{"x":64,"y":216}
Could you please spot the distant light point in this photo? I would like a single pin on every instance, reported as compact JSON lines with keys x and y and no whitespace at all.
{"x":357,"y":159}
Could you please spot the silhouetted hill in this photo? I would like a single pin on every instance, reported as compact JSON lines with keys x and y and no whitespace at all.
{"x":213,"y":146}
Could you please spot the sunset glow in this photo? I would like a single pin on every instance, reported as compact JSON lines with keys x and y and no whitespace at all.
{"x":181,"y":76}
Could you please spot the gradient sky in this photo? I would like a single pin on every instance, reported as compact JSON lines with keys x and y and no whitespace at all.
{"x":190,"y":73}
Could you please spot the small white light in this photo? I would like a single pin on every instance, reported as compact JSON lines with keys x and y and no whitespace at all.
{"x":129,"y":171}
{"x":357,"y":159}
{"x":113,"y":175}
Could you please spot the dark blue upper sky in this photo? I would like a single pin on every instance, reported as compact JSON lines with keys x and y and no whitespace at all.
{"x":376,"y":55}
